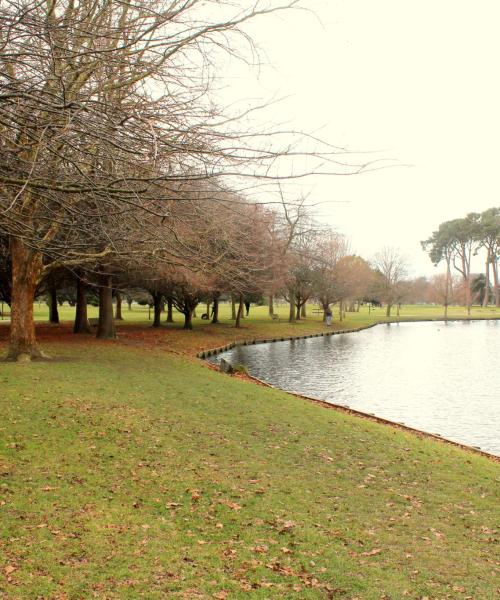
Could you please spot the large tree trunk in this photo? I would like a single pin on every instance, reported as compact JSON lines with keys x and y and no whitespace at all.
{"x":188,"y":323}
{"x":106,"y":328}
{"x":466,"y":280}
{"x":26,"y":273}
{"x":53,"y":310}
{"x":291,"y":317}
{"x":271,"y":305}
{"x":297,"y":313}
{"x":233,"y":308}
{"x":388,"y":310}
{"x":303,"y":312}
{"x":325,"y":306}
{"x":341,"y":310}
{"x":158,"y":306}
{"x":170,"y":310}
{"x":118,"y":312}
{"x":447,"y":289}
{"x":240,"y":312}
{"x":81,"y":320}
{"x":496,"y":289}
{"x":215,"y":318}
{"x":486,"y":297}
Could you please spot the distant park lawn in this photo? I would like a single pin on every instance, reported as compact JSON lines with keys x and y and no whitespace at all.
{"x":129,"y":469}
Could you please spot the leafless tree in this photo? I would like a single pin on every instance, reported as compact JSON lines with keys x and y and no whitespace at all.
{"x":392,"y":268}
{"x":105,"y":123}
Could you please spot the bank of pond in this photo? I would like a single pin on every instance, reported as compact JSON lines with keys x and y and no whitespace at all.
{"x":438,"y":377}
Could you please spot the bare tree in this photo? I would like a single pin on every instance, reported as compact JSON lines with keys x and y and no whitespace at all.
{"x":392,"y":268}
{"x":105,"y":122}
{"x":330,"y":250}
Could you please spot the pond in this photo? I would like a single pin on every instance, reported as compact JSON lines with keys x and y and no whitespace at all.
{"x":437,"y":377}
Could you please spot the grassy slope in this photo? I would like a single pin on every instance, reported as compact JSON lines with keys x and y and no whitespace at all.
{"x":130,"y":474}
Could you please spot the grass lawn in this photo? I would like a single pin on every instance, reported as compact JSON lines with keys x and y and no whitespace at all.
{"x":129,"y":471}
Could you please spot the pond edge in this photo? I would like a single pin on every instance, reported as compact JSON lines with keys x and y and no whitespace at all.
{"x":204,"y":354}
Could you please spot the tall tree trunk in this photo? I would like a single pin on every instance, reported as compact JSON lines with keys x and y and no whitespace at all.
{"x":466,"y":281}
{"x":233,"y":308}
{"x":129,"y":302}
{"x":297,"y":312}
{"x":157,"y":306}
{"x":106,"y":328}
{"x":81,"y":320}
{"x":118,"y":311}
{"x":341,"y":310}
{"x":188,"y":323}
{"x":303,"y":311}
{"x":291,"y":318}
{"x":486,"y":297}
{"x":388,"y":310}
{"x":26,"y":273}
{"x":53,"y":310}
{"x":398,"y":307}
{"x":215,"y":318}
{"x":170,"y":310}
{"x":496,"y":289}
{"x":447,"y":289}
{"x":208,"y":309}
{"x":240,"y":312}
{"x":271,"y":304}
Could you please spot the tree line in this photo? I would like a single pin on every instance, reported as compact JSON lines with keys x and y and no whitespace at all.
{"x":117,"y":163}
{"x":456,"y":242}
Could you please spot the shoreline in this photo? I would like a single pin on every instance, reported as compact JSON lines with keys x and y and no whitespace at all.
{"x":205,"y":354}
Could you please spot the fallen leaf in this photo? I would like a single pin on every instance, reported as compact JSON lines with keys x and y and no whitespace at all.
{"x":372,"y":552}
{"x":260,"y":549}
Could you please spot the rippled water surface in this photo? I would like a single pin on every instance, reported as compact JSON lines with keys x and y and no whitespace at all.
{"x":438,"y":377}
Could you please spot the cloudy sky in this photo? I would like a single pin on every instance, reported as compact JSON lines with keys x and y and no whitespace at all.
{"x":414,"y":80}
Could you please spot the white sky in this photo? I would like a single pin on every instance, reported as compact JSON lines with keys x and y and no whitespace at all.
{"x":416,"y":80}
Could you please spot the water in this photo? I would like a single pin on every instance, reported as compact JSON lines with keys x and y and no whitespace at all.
{"x":437,"y":377}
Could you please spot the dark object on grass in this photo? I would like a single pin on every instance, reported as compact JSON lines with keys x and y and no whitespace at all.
{"x":226,"y":367}
{"x":204,"y":317}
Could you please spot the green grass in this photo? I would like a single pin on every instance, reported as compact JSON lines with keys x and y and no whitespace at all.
{"x":134,"y":474}
{"x":140,"y":314}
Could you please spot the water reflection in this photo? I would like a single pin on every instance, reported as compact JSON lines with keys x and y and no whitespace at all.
{"x":439,"y":377}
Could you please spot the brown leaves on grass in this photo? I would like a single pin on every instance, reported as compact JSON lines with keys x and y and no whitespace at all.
{"x":260,"y":549}
{"x":373,"y":552}
{"x":230,"y":504}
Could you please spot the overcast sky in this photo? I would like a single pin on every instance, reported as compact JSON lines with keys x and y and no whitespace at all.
{"x":415,"y":80}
